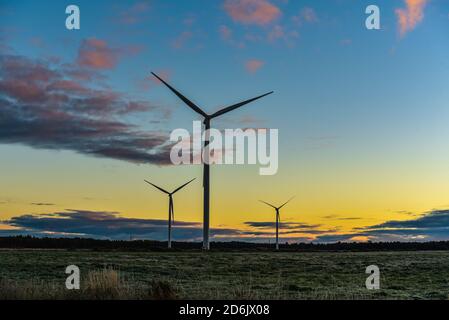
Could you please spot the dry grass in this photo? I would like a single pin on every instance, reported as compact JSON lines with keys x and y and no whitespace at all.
{"x":28,"y":290}
{"x":222,"y":275}
{"x":163,"y":290}
{"x":106,"y":284}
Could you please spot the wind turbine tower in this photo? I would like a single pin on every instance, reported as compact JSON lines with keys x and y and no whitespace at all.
{"x":171,"y":209}
{"x":278,"y":218}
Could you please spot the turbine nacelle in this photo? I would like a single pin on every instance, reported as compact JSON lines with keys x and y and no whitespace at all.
{"x":277,"y":208}
{"x":165,"y":191}
{"x":208,"y":117}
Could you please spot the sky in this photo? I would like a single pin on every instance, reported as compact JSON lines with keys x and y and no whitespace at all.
{"x":362,"y":118}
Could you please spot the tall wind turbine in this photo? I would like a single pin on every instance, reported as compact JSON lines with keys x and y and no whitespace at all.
{"x":278,"y":219}
{"x":171,"y":209}
{"x":206,"y":176}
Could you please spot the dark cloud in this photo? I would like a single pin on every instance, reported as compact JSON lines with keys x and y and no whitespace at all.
{"x":267,"y":228}
{"x":432,"y":226}
{"x":433,"y":220}
{"x":331,"y":216}
{"x":13,"y":233}
{"x":285,"y":228}
{"x":110,"y":225}
{"x":46,"y":106}
{"x":264,"y":239}
{"x":329,"y":238}
{"x":42,"y":204}
{"x":99,"y":224}
{"x":336,"y":217}
{"x":283,"y":225}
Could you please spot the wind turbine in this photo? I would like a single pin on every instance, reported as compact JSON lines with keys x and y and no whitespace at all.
{"x":206,"y":176}
{"x":171,"y":209}
{"x":278,"y":219}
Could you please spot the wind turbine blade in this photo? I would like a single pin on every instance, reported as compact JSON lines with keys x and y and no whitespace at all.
{"x":287,"y":202}
{"x":268,"y":204}
{"x":165,"y":191}
{"x":183,"y":98}
{"x":237,"y":105}
{"x":179,"y":188}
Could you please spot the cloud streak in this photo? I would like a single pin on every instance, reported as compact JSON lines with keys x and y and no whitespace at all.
{"x":106,"y":225}
{"x":282,"y":225}
{"x":97,"y":224}
{"x":253,"y":65}
{"x":410,"y":16}
{"x":259,"y":12}
{"x":97,"y":54}
{"x":306,"y":15}
{"x":432,"y":226}
{"x":134,"y":14}
{"x":111,"y":225}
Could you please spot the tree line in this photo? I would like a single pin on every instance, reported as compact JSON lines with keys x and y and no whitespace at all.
{"x":29,"y":242}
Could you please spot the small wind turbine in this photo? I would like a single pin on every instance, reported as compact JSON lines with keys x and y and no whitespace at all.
{"x":278,"y":219}
{"x":206,"y":121}
{"x":171,"y":209}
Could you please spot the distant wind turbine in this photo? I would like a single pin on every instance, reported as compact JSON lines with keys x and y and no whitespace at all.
{"x":278,"y":219}
{"x":171,"y":209}
{"x":206,"y":176}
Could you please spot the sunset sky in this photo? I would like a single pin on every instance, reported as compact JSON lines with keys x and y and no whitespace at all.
{"x":362,"y":117}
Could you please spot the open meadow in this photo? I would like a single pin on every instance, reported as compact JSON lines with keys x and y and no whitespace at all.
{"x":40,"y":274}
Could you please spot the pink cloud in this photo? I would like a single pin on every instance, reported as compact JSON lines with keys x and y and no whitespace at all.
{"x":67,"y":86}
{"x":181,"y":40}
{"x":81,"y":74}
{"x":259,"y":12}
{"x":150,"y":80}
{"x":307,"y":14}
{"x":135,"y":13}
{"x":227,"y":35}
{"x":225,"y":32}
{"x":249,"y":120}
{"x":23,"y":91}
{"x":410,"y":16}
{"x":37,"y":42}
{"x":189,"y":20}
{"x":276,"y":33}
{"x":96,"y":54}
{"x":253,"y":65}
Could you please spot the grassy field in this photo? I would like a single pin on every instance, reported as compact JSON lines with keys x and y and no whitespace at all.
{"x":223,"y":275}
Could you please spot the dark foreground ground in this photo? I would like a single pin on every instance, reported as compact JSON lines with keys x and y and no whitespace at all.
{"x":40,"y":274}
